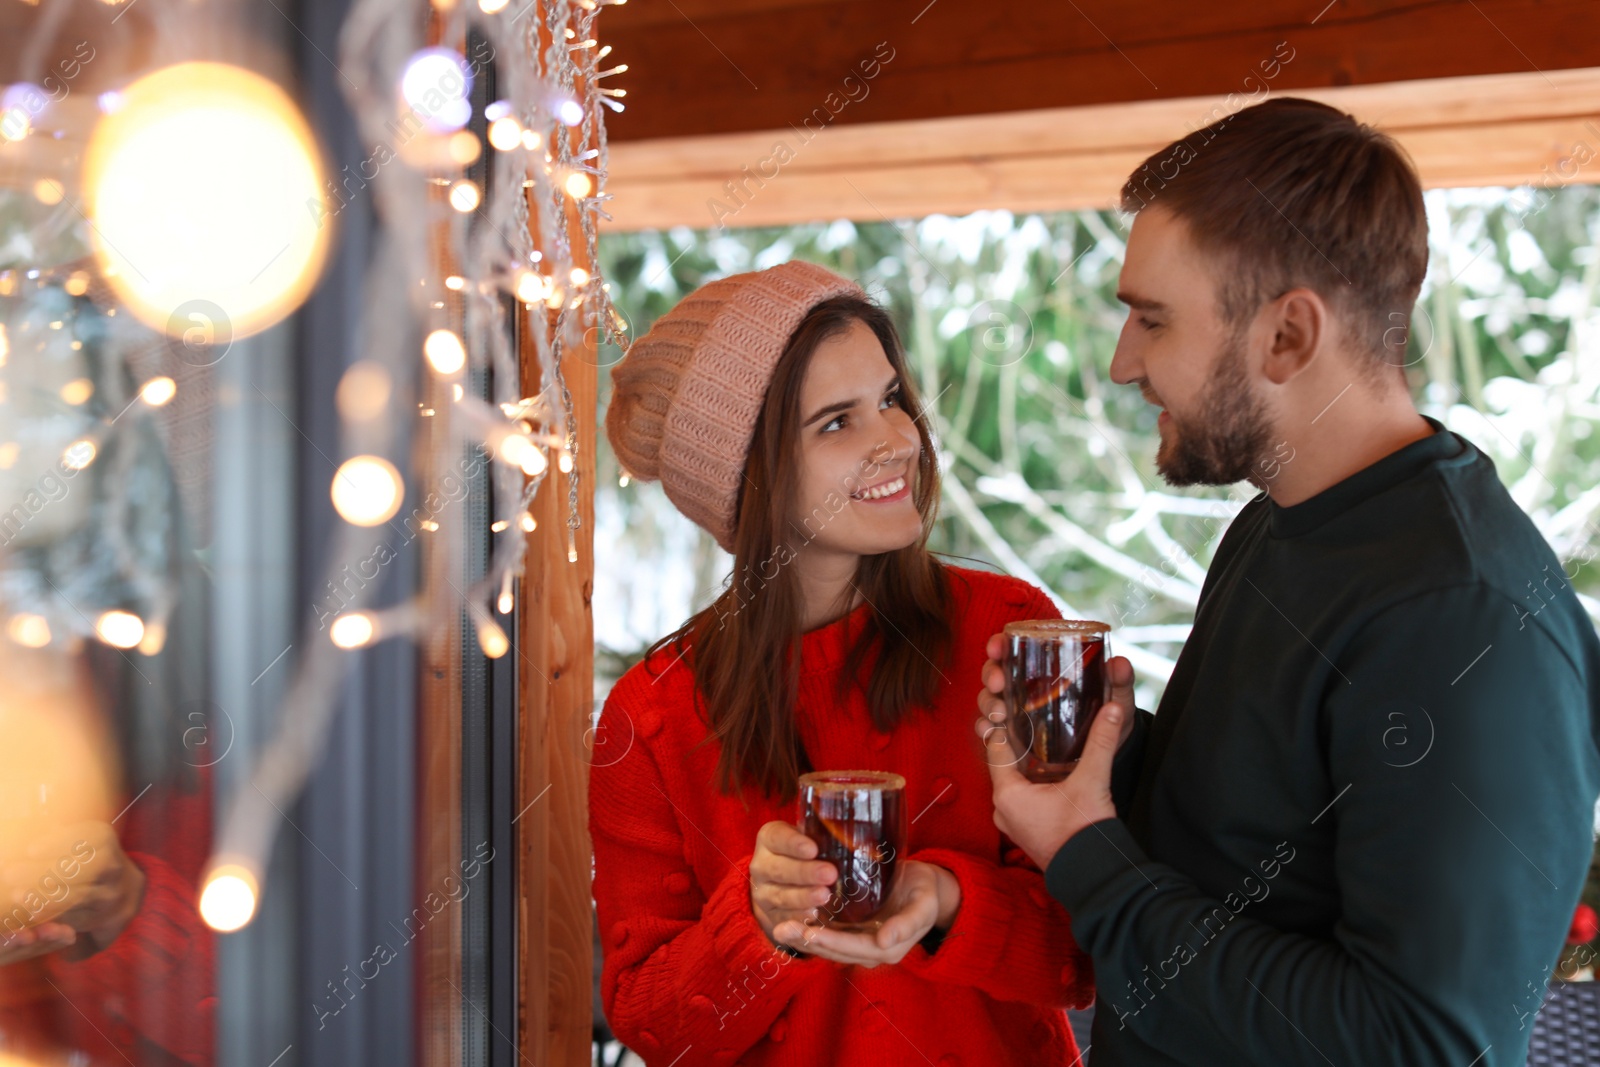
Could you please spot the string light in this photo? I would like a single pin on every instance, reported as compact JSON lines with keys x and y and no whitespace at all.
{"x":29,"y":631}
{"x":366,"y":490}
{"x":548,"y":220}
{"x":505,"y":133}
{"x":77,"y":391}
{"x":437,"y":88}
{"x":154,"y":639}
{"x":158,"y":390}
{"x":579,"y":185}
{"x":228,"y":900}
{"x":491,"y":638}
{"x":78,"y":455}
{"x":352,"y":630}
{"x":444,"y":351}
{"x":464,"y":196}
{"x":198,"y":185}
{"x":119,"y":629}
{"x":363,"y":392}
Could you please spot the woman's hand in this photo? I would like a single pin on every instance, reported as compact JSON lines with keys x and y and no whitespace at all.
{"x":787,"y":882}
{"x":32,"y":941}
{"x":95,"y":902}
{"x":924,"y":897}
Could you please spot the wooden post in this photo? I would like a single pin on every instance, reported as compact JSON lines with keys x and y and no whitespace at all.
{"x":556,"y":634}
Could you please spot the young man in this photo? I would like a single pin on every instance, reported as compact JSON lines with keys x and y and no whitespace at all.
{"x":1357,"y":829}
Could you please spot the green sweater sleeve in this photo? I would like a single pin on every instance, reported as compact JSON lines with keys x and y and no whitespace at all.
{"x":1459,"y":846}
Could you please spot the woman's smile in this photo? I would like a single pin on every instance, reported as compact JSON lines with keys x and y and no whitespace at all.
{"x":884,"y":492}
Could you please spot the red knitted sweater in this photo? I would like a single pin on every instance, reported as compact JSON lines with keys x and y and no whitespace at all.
{"x":689,"y":977}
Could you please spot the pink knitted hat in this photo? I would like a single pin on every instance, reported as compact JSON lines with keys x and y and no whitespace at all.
{"x":686,"y":397}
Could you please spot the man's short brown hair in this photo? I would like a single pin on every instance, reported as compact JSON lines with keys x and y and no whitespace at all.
{"x":1295,"y":193}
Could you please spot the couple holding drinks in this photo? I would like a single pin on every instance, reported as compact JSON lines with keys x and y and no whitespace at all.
{"x":839,"y":837}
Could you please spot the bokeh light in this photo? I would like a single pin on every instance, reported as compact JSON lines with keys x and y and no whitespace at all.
{"x":366,"y":490}
{"x":198,"y":186}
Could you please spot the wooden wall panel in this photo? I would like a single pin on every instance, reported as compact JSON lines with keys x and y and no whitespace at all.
{"x":718,"y":66}
{"x":1510,"y":129}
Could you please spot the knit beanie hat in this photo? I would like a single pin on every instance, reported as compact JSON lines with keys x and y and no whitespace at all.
{"x":686,"y":396}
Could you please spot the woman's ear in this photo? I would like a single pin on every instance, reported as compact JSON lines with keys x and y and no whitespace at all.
{"x":1296,"y":324}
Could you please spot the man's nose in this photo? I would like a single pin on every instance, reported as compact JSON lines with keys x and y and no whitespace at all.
{"x":1126,"y":368}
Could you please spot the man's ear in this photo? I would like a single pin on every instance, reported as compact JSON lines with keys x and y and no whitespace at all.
{"x":1295,"y":325}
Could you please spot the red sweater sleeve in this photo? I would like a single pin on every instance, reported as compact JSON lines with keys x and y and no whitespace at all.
{"x":155,"y":980}
{"x":1010,"y":938}
{"x":686,"y":973}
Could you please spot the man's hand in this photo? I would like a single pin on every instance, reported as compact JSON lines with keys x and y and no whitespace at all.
{"x":1041,"y":818}
{"x":991,"y":700}
{"x":924,"y":896}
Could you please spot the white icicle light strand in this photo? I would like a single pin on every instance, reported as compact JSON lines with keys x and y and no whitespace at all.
{"x":554,"y":169}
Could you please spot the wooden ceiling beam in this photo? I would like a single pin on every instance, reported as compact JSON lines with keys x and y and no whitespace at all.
{"x":723,"y":66}
{"x":1510,"y":129}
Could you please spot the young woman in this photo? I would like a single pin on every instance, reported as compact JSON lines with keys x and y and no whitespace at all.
{"x":776,"y":410}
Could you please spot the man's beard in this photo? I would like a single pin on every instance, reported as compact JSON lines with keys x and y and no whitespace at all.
{"x":1227,"y":438}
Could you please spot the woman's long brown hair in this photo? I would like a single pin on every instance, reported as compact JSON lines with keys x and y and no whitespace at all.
{"x":744,"y":648}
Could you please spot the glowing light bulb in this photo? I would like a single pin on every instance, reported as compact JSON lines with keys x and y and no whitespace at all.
{"x":29,"y":631}
{"x":119,"y":629}
{"x":564,"y":461}
{"x":77,"y":391}
{"x":77,"y":283}
{"x":445,"y":352}
{"x":228,"y":901}
{"x":198,"y":186}
{"x":491,"y":7}
{"x":570,"y":112}
{"x":579,"y":185}
{"x":623,"y":481}
{"x":527,"y":522}
{"x":464,"y":147}
{"x":437,"y":87}
{"x":366,"y":490}
{"x":352,"y":630}
{"x":505,"y":133}
{"x":492,"y":639}
{"x":464,"y":196}
{"x":154,"y":639}
{"x":530,"y":287}
{"x":531,"y":139}
{"x":78,"y":455}
{"x":517,"y":450}
{"x":158,"y":390}
{"x":5,"y":345}
{"x":48,"y":191}
{"x":363,"y":391}
{"x":505,"y":603}
{"x":455,"y":283}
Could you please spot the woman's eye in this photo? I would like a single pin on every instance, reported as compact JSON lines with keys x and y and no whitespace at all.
{"x":892,"y":400}
{"x":1147,"y":323}
{"x":836,"y":421}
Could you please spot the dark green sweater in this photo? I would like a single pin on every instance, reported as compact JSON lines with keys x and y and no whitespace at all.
{"x":1356,"y":830}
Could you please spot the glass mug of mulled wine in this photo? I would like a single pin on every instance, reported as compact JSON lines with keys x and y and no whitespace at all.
{"x":1056,"y":681}
{"x":858,"y":821}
